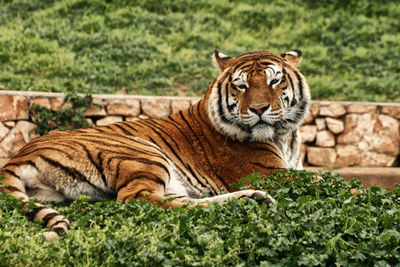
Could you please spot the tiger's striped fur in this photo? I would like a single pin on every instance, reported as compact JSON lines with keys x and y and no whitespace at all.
{"x":246,"y":122}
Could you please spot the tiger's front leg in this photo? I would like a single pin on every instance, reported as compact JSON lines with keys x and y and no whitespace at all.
{"x":259,"y":196}
{"x":148,"y":184}
{"x":144,"y":189}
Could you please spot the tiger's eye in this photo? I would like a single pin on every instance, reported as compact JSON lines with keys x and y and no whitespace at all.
{"x":274,"y":81}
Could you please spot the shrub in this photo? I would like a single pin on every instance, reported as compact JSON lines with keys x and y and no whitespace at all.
{"x":313,"y":223}
{"x":70,"y":116}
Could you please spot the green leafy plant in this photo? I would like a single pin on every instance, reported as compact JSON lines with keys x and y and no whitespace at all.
{"x":313,"y":223}
{"x":71,"y":115}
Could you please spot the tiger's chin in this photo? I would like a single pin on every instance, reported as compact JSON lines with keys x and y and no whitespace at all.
{"x":262,"y":133}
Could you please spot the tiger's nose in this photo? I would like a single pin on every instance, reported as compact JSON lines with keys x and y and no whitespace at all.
{"x":259,"y":108}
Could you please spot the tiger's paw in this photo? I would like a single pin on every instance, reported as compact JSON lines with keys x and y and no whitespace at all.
{"x":50,"y":236}
{"x":259,"y":196}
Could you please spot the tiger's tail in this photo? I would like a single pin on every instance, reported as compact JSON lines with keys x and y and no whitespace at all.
{"x":50,"y":217}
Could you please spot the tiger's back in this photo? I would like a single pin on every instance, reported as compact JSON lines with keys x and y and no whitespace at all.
{"x":183,"y":156}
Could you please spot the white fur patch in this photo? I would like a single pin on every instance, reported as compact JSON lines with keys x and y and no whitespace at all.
{"x":175,"y":186}
{"x":240,"y":78}
{"x":29,"y":175}
{"x":214,"y":60}
{"x":34,"y":187}
{"x":227,"y":129}
{"x":222,"y":55}
{"x":274,"y":73}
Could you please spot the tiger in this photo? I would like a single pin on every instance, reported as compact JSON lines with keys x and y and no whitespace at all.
{"x":246,"y":122}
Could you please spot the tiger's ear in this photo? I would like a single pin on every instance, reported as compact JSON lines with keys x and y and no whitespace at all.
{"x":220,"y":60}
{"x":293,"y":57}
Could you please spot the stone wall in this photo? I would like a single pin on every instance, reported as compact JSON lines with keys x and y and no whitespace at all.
{"x":334,"y":133}
{"x":352,"y":134}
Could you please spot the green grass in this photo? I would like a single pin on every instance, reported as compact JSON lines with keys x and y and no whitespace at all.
{"x":351,"y":48}
{"x":313,"y":223}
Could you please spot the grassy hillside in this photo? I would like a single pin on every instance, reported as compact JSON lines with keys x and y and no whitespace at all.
{"x":351,"y":48}
{"x":314,"y":223}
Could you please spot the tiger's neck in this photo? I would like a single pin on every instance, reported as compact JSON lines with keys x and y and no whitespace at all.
{"x":199,"y":124}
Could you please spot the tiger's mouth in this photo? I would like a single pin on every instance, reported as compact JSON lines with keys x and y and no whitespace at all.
{"x":265,"y":124}
{"x":261,"y":122}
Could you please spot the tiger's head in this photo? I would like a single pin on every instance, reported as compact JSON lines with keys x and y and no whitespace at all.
{"x":258,"y":95}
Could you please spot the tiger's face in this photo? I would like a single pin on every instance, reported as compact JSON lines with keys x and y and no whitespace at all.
{"x":258,"y":95}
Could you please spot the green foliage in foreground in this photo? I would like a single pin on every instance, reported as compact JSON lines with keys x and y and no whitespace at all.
{"x":351,"y":48}
{"x":313,"y":223}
